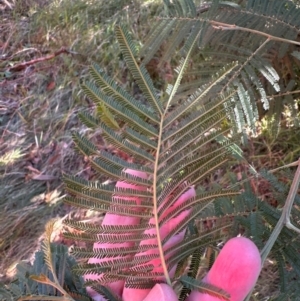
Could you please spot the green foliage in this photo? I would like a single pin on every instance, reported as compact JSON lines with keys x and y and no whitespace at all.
{"x":225,"y":57}
{"x":49,"y":278}
{"x":260,"y":224}
{"x":153,"y":138}
{"x":171,"y":136}
{"x":251,"y":33}
{"x":168,"y":144}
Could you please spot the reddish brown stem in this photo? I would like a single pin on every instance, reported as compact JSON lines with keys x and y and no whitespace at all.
{"x":21,"y":66}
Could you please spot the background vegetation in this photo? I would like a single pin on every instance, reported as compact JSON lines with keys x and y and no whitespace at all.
{"x":39,"y":105}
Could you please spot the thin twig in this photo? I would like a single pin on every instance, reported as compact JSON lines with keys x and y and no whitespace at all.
{"x":283,"y":94}
{"x":295,"y":163}
{"x":285,"y":216}
{"x":243,"y":65}
{"x":283,"y":221}
{"x":155,"y":212}
{"x":225,"y":26}
{"x":290,"y":200}
{"x":22,"y":66}
{"x":39,"y":297}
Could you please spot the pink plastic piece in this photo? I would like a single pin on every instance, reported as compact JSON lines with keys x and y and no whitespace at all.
{"x":114,"y":219}
{"x":161,"y":292}
{"x":235,"y":270}
{"x":130,"y":294}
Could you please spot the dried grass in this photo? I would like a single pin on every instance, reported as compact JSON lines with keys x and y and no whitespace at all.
{"x":38,"y":111}
{"x":39,"y":106}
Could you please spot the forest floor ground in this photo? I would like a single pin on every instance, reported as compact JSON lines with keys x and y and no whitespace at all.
{"x":52,"y":43}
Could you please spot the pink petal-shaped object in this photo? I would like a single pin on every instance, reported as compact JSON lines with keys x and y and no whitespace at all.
{"x":130,"y":294}
{"x":235,"y":270}
{"x":114,"y":219}
{"x":161,"y":292}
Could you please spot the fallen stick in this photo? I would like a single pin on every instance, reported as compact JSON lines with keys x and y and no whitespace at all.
{"x":21,"y":66}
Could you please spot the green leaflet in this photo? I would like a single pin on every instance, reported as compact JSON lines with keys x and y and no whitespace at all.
{"x":176,"y":139}
{"x":170,"y":154}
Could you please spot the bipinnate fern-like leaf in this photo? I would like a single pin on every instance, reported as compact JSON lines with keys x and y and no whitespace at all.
{"x":205,"y":288}
{"x":50,"y":276}
{"x":260,"y":36}
{"x":259,"y":220}
{"x":171,"y":146}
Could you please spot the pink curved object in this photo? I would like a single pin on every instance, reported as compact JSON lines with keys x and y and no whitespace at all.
{"x":130,"y":294}
{"x":161,"y":292}
{"x":114,"y":219}
{"x":235,"y":270}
